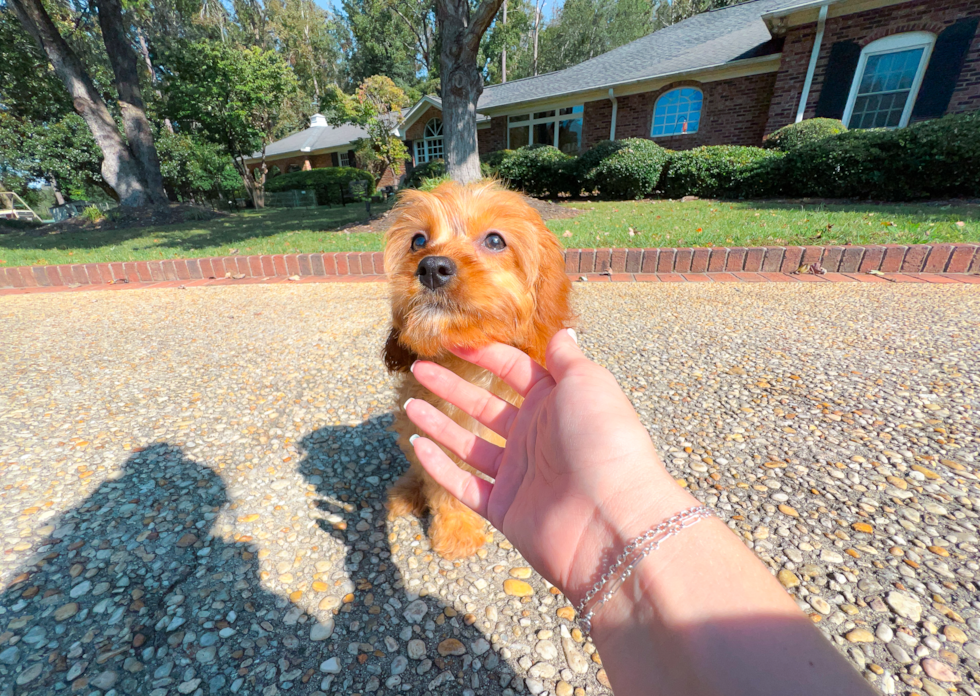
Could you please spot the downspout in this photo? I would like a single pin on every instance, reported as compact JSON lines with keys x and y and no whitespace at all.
{"x":615,"y":110}
{"x":818,"y":39}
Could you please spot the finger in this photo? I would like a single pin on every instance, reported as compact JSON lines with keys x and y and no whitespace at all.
{"x":475,"y":451}
{"x":469,"y":489}
{"x":516,"y":368}
{"x":491,"y":411}
{"x":564,"y":354}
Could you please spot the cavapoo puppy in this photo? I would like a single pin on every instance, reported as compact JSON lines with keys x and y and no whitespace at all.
{"x":468,"y":266}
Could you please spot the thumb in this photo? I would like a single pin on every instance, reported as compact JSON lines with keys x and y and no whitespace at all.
{"x":563,"y":354}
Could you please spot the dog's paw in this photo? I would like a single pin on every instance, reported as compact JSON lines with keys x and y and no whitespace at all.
{"x":457,"y":533}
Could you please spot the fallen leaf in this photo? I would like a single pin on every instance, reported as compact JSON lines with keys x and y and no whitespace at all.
{"x":961,"y":224}
{"x":699,"y":229}
{"x":233,"y":251}
{"x":294,"y":277}
{"x":238,"y":276}
{"x":876,"y":273}
{"x":566,"y":233}
{"x":817,"y":269}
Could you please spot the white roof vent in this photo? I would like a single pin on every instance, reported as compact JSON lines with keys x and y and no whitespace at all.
{"x":318,"y":121}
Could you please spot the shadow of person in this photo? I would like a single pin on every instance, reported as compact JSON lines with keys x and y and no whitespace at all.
{"x":130,"y":592}
{"x":412,"y":622}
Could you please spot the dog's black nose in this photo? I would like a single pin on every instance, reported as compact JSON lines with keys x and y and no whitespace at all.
{"x":435,"y":271}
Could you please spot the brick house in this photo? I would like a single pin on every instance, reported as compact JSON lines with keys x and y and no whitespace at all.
{"x":729,"y":77}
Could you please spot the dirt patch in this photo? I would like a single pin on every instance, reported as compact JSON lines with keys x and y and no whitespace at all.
{"x":127,"y":218}
{"x":546,"y":209}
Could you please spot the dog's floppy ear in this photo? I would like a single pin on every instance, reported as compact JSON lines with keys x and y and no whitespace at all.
{"x":552,"y":311}
{"x":397,"y":358}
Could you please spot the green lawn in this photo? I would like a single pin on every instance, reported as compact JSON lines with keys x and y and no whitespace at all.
{"x":603,"y":224}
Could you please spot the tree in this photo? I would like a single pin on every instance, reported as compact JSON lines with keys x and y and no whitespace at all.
{"x":120,"y":169}
{"x":376,"y":107}
{"x":306,"y":38}
{"x":239,"y":98}
{"x":515,"y":38}
{"x":462,"y":84}
{"x":377,"y":41}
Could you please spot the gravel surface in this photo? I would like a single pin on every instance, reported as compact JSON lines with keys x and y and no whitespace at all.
{"x":193,"y":485}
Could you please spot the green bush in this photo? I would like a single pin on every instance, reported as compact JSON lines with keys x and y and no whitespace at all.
{"x":327,"y":183}
{"x":432,"y":182}
{"x":429,"y":170}
{"x":933,"y":159}
{"x":803,"y":133}
{"x":623,"y":169}
{"x":540,"y":170}
{"x":491,"y":163}
{"x":722,"y":171}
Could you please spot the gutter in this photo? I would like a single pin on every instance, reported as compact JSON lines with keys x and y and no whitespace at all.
{"x":811,"y":68}
{"x":625,"y":83}
{"x":615,"y":110}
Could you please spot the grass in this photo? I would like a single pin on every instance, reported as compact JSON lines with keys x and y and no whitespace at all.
{"x":603,"y":224}
{"x":671,"y":223}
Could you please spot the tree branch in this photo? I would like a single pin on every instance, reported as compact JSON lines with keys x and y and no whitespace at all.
{"x":481,"y":21}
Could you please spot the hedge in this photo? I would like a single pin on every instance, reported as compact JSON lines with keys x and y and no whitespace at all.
{"x":803,"y":133}
{"x":326,"y":182}
{"x":540,"y":170}
{"x":625,"y":169}
{"x":722,"y":171}
{"x":430,"y":170}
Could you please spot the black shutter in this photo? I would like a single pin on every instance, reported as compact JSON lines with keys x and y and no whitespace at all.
{"x":944,"y":68}
{"x":334,"y":159}
{"x":351,"y":161}
{"x":844,"y":56}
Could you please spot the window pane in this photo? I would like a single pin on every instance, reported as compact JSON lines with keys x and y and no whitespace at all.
{"x":544,"y":114}
{"x":544,"y":133}
{"x":514,"y":119}
{"x":885,"y":88}
{"x":435,"y":148}
{"x":420,"y":152}
{"x":570,"y":136}
{"x":677,"y":112}
{"x":519,"y":137}
{"x":571,"y":110}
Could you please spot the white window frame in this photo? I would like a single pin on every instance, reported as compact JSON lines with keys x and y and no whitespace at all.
{"x":344,"y":159}
{"x":422,"y":144}
{"x":653,"y":116}
{"x":556,"y":119}
{"x":893,"y":44}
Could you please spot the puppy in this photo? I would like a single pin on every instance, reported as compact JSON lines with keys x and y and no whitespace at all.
{"x":468,"y":266}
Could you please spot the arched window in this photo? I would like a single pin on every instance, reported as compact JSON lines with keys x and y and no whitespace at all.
{"x":887,"y":80}
{"x":430,"y":146}
{"x":677,"y":112}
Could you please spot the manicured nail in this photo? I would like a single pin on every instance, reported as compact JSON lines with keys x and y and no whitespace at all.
{"x":405,"y":405}
{"x":571,"y":332}
{"x":411,"y":368}
{"x":412,"y":439}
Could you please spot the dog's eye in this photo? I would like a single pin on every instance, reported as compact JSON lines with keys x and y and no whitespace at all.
{"x":418,"y":242}
{"x":494,"y":242}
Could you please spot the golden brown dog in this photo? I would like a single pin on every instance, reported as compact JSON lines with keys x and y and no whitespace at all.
{"x":468,"y":265}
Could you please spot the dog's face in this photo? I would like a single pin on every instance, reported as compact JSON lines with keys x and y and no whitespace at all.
{"x":470,"y":265}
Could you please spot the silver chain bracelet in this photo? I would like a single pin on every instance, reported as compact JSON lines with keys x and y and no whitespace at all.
{"x":652,"y":538}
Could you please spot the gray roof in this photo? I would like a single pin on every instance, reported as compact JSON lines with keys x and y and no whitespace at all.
{"x":705,"y":40}
{"x":314,"y":138}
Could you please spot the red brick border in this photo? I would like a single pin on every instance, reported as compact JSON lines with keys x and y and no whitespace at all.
{"x":716,"y":263}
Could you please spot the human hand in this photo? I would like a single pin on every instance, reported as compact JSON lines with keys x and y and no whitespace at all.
{"x":578,"y":476}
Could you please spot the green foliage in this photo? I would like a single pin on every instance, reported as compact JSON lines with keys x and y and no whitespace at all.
{"x":430,"y":170}
{"x":434,"y":181}
{"x":798,"y":134}
{"x":93,"y":214}
{"x":934,"y":159}
{"x":584,"y":29}
{"x":490,"y":164}
{"x":328,"y":183}
{"x":722,"y":171}
{"x":540,"y":170}
{"x":377,"y":41}
{"x":195,"y":168}
{"x":623,"y":169}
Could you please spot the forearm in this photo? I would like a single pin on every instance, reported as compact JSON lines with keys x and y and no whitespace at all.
{"x":702,"y":615}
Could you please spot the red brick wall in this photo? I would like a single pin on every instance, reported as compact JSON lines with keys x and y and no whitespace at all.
{"x":493,"y":138}
{"x":418,"y":128}
{"x":865,"y":27}
{"x":734,"y":112}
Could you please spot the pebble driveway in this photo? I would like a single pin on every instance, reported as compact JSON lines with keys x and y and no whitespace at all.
{"x":192,"y":486}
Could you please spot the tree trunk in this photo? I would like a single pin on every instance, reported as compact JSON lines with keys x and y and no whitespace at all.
{"x":120,"y":170}
{"x":58,"y":198}
{"x":135,"y":123}
{"x":503,"y":52}
{"x":462,"y":83}
{"x":145,"y":52}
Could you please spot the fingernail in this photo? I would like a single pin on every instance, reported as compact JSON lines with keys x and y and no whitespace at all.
{"x":412,"y":439}
{"x":405,"y":405}
{"x":571,"y":332}
{"x":411,"y":368}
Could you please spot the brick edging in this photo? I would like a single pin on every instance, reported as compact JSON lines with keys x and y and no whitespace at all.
{"x":887,"y":258}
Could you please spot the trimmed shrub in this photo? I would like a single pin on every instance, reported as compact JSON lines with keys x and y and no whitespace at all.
{"x":493,"y":161}
{"x":722,"y":171}
{"x":803,"y":133}
{"x":540,"y":170}
{"x":933,"y":159}
{"x":591,"y":158}
{"x":625,"y":169}
{"x":327,"y":183}
{"x":429,"y":170}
